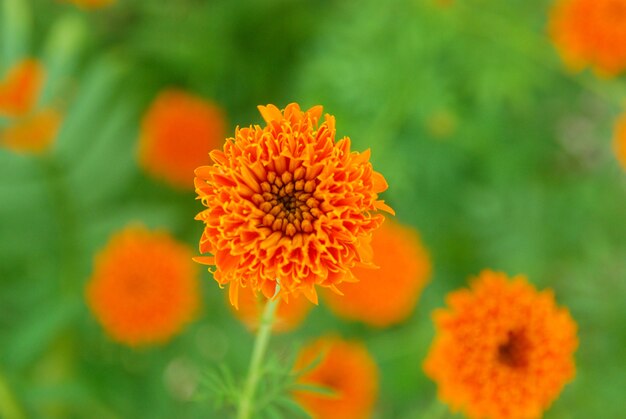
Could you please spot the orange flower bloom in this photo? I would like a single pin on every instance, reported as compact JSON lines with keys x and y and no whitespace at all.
{"x":32,"y":134}
{"x":288,"y":205}
{"x":619,"y":141}
{"x":20,"y":88}
{"x":347,"y":369}
{"x":502,"y":350}
{"x":177,"y":132}
{"x":591,"y":32}
{"x":144,"y":287}
{"x":289,"y":314}
{"x":373,"y":300}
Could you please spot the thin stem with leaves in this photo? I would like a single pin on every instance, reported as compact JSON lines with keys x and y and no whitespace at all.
{"x":246,"y":403}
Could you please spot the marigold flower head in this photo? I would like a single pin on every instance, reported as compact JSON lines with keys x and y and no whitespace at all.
{"x":288,"y":205}
{"x":619,"y":140}
{"x":347,"y":369}
{"x":177,"y":132}
{"x":502,"y":349}
{"x":387,"y":295}
{"x":289,"y":314}
{"x":144,"y":287}
{"x":591,"y":32}
{"x":20,"y":88}
{"x":32,"y":134}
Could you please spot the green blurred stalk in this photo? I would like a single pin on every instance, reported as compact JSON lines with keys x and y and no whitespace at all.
{"x":15,"y":29}
{"x":246,"y":403}
{"x":9,"y":408}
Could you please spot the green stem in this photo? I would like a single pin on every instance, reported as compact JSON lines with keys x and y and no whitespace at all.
{"x":9,"y":407}
{"x":260,"y":347}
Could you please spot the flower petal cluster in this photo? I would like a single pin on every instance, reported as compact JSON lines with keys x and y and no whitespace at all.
{"x":177,"y":133}
{"x":346,"y":369}
{"x":388,"y":295}
{"x":289,"y":205}
{"x":502,"y":349}
{"x":591,"y":33}
{"x":144,"y":287}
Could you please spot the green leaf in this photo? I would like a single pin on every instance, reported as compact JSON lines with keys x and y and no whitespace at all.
{"x":15,"y":29}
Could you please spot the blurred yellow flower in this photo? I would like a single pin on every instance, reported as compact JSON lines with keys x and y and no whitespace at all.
{"x":619,"y":140}
{"x":386,"y":296}
{"x":33,"y":133}
{"x":144,"y":287}
{"x":347,"y":369}
{"x":177,"y":133}
{"x":502,"y":349}
{"x":591,"y":32}
{"x":287,"y":204}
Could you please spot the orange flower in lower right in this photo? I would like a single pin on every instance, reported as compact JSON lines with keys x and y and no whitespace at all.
{"x":502,"y":349}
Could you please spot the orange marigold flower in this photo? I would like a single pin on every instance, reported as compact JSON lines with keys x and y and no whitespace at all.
{"x":591,"y":32}
{"x":288,"y":205}
{"x":373,"y":300}
{"x":144,"y":287}
{"x":619,"y":141}
{"x":502,"y":350}
{"x":347,"y":369}
{"x":289,"y":314}
{"x":32,"y":134}
{"x":177,"y":132}
{"x":20,"y":88}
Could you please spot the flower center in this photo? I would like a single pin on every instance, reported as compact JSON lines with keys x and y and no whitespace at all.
{"x":288,"y":203}
{"x":514,"y":352}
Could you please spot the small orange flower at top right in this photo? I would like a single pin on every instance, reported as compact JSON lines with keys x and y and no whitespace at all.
{"x":590,"y":33}
{"x":619,"y":140}
{"x":502,"y":349}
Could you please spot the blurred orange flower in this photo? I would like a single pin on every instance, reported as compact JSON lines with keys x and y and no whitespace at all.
{"x":347,"y":369}
{"x":34,"y":133}
{"x":21,"y":87}
{"x":91,"y":4}
{"x":289,"y":314}
{"x":288,"y":205}
{"x":591,"y":32}
{"x":502,"y":349}
{"x":619,"y":140}
{"x":401,"y":256}
{"x":177,"y":133}
{"x":144,"y":287}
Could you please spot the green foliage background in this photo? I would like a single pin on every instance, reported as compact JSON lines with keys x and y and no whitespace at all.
{"x":493,"y":151}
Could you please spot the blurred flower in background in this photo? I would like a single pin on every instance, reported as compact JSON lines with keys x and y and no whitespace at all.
{"x":30,"y":129}
{"x":347,"y":370}
{"x":289,"y":315}
{"x":388,"y":295}
{"x":91,"y":4}
{"x":591,"y":33}
{"x":502,"y":349}
{"x":288,"y":206}
{"x":177,"y":133}
{"x":619,"y":140}
{"x":144,"y":287}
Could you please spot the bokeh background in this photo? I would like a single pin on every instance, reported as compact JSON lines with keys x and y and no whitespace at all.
{"x":494,"y":151}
